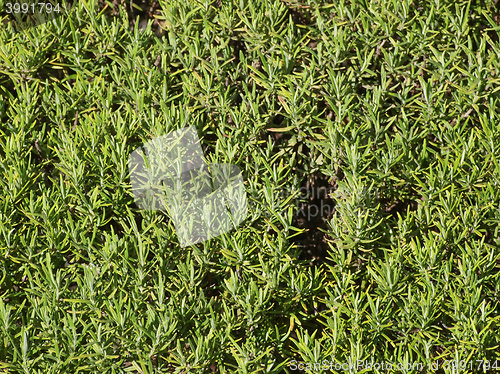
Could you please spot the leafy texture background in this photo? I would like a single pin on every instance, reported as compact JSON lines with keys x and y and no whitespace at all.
{"x":392,"y":106}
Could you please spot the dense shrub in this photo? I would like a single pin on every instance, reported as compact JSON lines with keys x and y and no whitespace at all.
{"x":391,"y":107}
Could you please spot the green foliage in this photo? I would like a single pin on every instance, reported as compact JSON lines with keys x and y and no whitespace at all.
{"x":394,"y":105}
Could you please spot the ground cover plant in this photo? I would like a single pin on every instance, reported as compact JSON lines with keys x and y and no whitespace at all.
{"x":368,"y":137}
